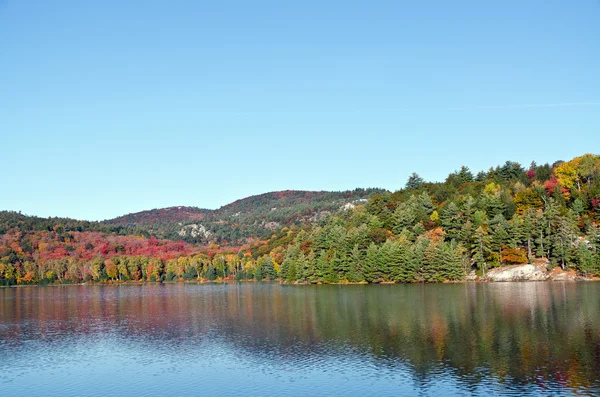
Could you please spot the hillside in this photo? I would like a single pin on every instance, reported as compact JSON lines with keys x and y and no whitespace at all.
{"x":236,"y":223}
{"x":13,"y":220}
{"x":159,"y":216}
{"x":249,"y":218}
{"x":547,"y":215}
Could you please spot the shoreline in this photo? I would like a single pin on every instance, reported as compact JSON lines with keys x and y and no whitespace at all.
{"x":511,"y":273}
{"x":578,"y":279}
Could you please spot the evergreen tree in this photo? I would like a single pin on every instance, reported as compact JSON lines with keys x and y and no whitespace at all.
{"x":516,"y":232}
{"x":466,"y":233}
{"x":465,"y":175}
{"x":321,"y":266}
{"x":211,"y":274}
{"x":480,"y":248}
{"x":450,"y":220}
{"x":290,"y":261}
{"x":309,"y":268}
{"x":371,"y":263}
{"x":386,"y":252}
{"x":329,"y":274}
{"x":418,"y":253}
{"x":405,"y":215}
{"x":451,"y":261}
{"x":432,"y":264}
{"x":564,"y":241}
{"x":424,"y":207}
{"x":578,"y":206}
{"x":405,"y":268}
{"x":259,"y":274}
{"x":414,"y":181}
{"x":499,"y":234}
{"x":356,"y":264}
{"x":468,"y":206}
{"x":586,"y":261}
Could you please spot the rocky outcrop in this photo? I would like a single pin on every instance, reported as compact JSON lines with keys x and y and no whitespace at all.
{"x":194,"y":230}
{"x":518,"y":273}
{"x":530,"y":272}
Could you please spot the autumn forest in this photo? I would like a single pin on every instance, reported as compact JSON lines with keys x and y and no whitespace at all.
{"x":426,"y":232}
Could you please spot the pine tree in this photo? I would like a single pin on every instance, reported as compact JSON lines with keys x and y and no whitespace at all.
{"x":385,"y":260}
{"x":329,"y":274}
{"x":465,"y":175}
{"x":405,"y":268}
{"x":424,"y":207}
{"x":578,"y":206}
{"x":480,"y":248}
{"x":516,"y":232}
{"x":290,"y":261}
{"x":550,"y":224}
{"x":292,"y":273}
{"x":451,"y":255}
{"x":309,"y":271}
{"x":321,"y":266}
{"x":268,"y":268}
{"x":418,"y":253}
{"x":466,"y":233}
{"x":341,"y":264}
{"x":258,"y":273}
{"x":450,"y":220}
{"x":564,"y":241}
{"x":468,"y":207}
{"x":432,"y":264}
{"x":371,"y":264}
{"x":586,"y":261}
{"x":355,"y":273}
{"x":405,"y":215}
{"x":414,"y":181}
{"x":499,"y":234}
{"x":394,"y":260}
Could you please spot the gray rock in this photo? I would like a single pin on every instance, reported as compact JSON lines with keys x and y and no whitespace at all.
{"x":518,"y":273}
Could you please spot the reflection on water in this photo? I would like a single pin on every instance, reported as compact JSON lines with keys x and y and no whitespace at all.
{"x":268,"y":339}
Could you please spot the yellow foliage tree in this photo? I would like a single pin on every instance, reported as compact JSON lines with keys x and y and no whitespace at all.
{"x":111,"y":268}
{"x":491,"y":189}
{"x":566,"y":173}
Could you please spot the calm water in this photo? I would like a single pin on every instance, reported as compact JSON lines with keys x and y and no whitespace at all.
{"x":272,"y":340}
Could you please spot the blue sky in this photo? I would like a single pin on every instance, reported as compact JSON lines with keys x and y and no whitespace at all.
{"x":109,"y":107}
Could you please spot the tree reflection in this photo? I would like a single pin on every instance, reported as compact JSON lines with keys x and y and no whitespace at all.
{"x":520,"y":334}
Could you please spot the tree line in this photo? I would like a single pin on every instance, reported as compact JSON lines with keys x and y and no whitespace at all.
{"x":426,"y":232}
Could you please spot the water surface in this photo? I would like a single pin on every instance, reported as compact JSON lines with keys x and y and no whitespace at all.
{"x":272,"y":340}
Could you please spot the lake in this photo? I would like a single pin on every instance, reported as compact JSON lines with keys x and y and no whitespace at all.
{"x":268,"y":339}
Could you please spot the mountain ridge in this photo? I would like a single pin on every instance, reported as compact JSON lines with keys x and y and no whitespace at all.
{"x":234,"y":223}
{"x":254,"y":216}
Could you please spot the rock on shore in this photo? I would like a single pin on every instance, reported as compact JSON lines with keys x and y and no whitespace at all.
{"x":535,"y":272}
{"x":518,"y":273}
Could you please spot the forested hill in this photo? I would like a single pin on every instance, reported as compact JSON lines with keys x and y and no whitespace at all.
{"x":249,"y":218}
{"x":234,"y":224}
{"x":159,"y":216}
{"x":547,"y":214}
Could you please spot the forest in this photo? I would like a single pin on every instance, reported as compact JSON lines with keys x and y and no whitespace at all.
{"x":426,"y":232}
{"x":243,"y":220}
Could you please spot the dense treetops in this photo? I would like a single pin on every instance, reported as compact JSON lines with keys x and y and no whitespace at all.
{"x":427,"y":232}
{"x":158,"y":216}
{"x":235,"y":223}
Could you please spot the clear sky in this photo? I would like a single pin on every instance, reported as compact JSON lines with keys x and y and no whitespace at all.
{"x":110,"y":107}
